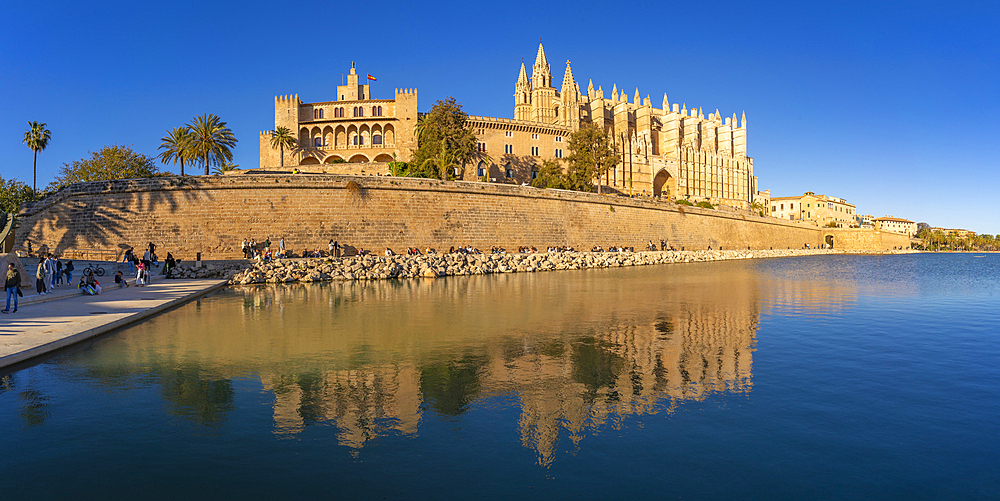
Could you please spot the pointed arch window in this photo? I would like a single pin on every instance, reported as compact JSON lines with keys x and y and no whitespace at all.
{"x":377,"y":139}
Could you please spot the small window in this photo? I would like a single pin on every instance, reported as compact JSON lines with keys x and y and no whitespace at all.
{"x":559,"y":139}
{"x":534,"y":151}
{"x":534,"y":136}
{"x":508,"y":134}
{"x":377,"y":139}
{"x":558,"y":153}
{"x":480,"y":146}
{"x":508,"y":149}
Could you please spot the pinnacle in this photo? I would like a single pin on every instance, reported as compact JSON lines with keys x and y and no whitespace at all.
{"x":540,"y":57}
{"x":568,"y":78}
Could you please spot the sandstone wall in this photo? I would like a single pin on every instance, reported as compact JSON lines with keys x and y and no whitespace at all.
{"x":865,"y":239}
{"x":212,"y":214}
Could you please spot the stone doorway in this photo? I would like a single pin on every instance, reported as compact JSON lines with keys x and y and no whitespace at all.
{"x":829,"y":241}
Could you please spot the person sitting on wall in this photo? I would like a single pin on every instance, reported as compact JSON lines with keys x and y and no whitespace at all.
{"x":388,"y":252}
{"x":169,"y":265}
{"x":120,"y":280}
{"x":91,"y":286}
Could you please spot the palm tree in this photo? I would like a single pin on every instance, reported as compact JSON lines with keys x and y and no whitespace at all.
{"x":37,"y":138}
{"x":211,"y":140}
{"x":280,"y":138}
{"x":443,"y":161}
{"x":176,"y":146}
{"x":223,"y":168}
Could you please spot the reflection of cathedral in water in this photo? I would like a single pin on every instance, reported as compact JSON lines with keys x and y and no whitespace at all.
{"x":693,"y":346}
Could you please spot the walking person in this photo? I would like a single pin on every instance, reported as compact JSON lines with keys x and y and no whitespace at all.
{"x":59,"y":273}
{"x":281,"y":247}
{"x":68,"y":270}
{"x":40,"y":276}
{"x":50,"y":272}
{"x":11,"y":285}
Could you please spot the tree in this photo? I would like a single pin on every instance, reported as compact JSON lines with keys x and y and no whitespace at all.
{"x":444,"y":140}
{"x":176,"y":146}
{"x":592,"y":153}
{"x":550,"y":175}
{"x":36,"y":138}
{"x":282,"y":137}
{"x":108,"y":163}
{"x":211,"y":140}
{"x":13,"y":193}
{"x":223,"y":168}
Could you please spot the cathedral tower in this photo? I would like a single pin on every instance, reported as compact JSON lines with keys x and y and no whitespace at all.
{"x":543,"y":95}
{"x":522,"y":96}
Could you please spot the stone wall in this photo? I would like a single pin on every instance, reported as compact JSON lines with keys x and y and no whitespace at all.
{"x":864,"y":239}
{"x":212,"y":214}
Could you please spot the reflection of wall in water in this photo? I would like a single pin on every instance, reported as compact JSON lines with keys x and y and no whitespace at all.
{"x":370,"y":357}
{"x":695,"y":348}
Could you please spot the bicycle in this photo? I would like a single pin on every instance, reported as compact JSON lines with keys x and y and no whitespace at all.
{"x":96,"y":268}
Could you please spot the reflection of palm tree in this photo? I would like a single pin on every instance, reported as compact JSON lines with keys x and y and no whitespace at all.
{"x":176,"y":146}
{"x":280,"y":138}
{"x":36,"y":138}
{"x":211,"y":140}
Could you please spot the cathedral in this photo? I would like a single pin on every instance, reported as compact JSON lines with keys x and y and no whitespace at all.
{"x":670,"y":151}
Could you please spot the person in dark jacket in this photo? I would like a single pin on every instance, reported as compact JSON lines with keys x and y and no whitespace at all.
{"x":11,"y":286}
{"x":40,"y":276}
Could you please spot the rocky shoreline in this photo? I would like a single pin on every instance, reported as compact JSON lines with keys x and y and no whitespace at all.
{"x":443,"y":265}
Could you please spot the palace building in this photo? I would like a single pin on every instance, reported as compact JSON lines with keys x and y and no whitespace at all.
{"x":353,"y":129}
{"x":670,"y":150}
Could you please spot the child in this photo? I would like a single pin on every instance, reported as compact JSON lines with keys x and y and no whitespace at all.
{"x":120,"y":280}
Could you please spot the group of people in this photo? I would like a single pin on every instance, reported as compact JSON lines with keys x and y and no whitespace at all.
{"x":50,"y":273}
{"x":260,"y":252}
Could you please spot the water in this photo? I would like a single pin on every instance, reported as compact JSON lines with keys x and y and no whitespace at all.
{"x":818,"y":377}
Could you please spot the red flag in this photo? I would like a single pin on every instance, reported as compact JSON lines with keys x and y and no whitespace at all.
{"x":370,"y":77}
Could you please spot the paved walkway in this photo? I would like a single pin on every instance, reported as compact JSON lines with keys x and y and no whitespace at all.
{"x":46,"y":323}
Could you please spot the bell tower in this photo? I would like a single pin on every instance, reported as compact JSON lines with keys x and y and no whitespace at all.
{"x":543,"y":95}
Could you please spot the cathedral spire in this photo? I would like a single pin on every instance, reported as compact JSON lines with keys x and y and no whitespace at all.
{"x":568,"y":82}
{"x":744,"y":120}
{"x":614,"y":93}
{"x":523,"y":77}
{"x":541,"y":74}
{"x":590,"y":89}
{"x":666,"y":104}
{"x":638,"y":98}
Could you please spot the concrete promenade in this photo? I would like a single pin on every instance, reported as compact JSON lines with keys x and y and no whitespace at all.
{"x":47,"y":323}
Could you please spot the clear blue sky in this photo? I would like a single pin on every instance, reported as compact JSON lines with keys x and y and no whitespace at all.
{"x":891,"y":105}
